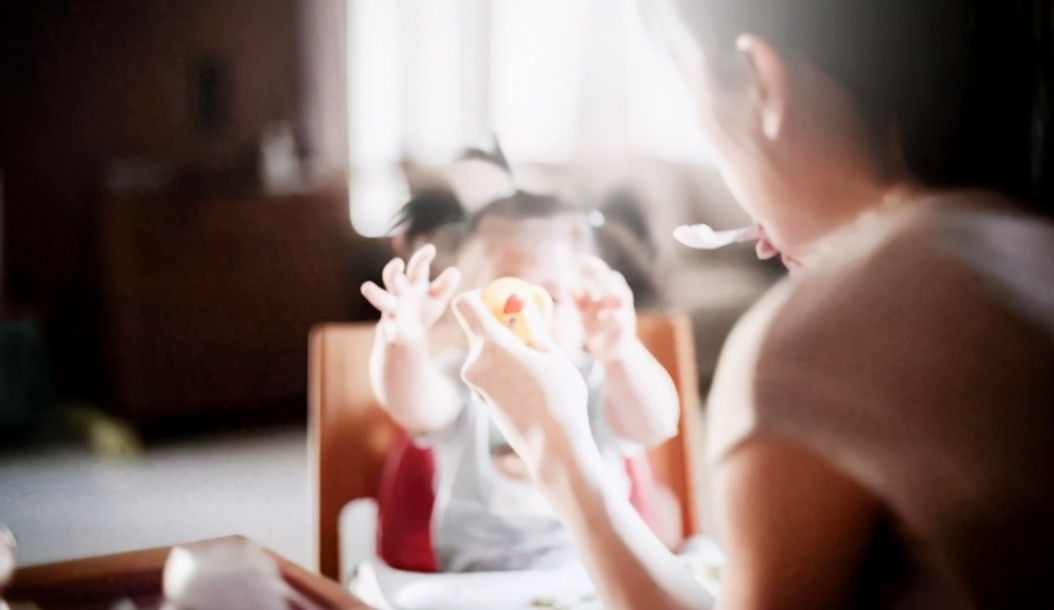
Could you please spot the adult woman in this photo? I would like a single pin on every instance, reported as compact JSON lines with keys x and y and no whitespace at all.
{"x":881,"y":424}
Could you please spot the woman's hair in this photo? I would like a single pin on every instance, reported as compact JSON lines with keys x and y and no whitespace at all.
{"x":955,"y":92}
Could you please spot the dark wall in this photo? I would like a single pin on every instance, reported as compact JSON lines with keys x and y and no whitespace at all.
{"x":186,"y":85}
{"x":89,"y":81}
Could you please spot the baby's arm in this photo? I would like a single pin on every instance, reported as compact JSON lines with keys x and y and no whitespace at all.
{"x":641,"y":402}
{"x":408,"y":384}
{"x":640,"y":399}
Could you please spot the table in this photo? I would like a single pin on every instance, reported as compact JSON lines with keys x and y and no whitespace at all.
{"x":96,"y":583}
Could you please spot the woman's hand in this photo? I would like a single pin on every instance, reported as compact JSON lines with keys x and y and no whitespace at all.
{"x":538,"y":400}
{"x":409,"y":304}
{"x":606,"y":304}
{"x":537,"y":395}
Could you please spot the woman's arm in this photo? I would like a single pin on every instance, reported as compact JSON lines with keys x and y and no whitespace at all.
{"x":537,"y":399}
{"x":631,"y":567}
{"x":795,"y":531}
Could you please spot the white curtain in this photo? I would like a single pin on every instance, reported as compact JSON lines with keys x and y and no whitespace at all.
{"x":557,"y":82}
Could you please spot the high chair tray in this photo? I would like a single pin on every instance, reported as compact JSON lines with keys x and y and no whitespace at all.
{"x":386,"y":588}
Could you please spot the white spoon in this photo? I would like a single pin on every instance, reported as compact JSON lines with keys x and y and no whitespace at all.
{"x":705,"y":238}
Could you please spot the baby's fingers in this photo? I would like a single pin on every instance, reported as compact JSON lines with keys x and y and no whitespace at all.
{"x":380,"y":298}
{"x":602,"y":278}
{"x":610,"y":302}
{"x":590,"y":305}
{"x":607,"y":316}
{"x":417,"y":268}
{"x":443,"y":287}
{"x":392,"y":271}
{"x":596,"y":272}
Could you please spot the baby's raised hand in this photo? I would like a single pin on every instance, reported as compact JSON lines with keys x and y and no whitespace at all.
{"x":606,"y":303}
{"x":409,"y":303}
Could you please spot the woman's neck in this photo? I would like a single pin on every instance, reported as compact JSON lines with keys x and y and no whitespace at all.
{"x":856,"y":207}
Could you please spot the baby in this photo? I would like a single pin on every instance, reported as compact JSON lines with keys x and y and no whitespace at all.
{"x":487,"y":513}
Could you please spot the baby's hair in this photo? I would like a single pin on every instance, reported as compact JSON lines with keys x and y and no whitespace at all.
{"x":427,"y":212}
{"x":624,"y":240}
{"x":522,"y":205}
{"x":440,"y":210}
{"x":434,"y":211}
{"x":495,"y":157}
{"x":621,"y":238}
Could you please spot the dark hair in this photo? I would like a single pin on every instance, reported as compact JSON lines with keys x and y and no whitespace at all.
{"x":956,"y":92}
{"x":495,"y":156}
{"x":432,"y":211}
{"x":623,"y":206}
{"x":428,"y":212}
{"x":522,"y":205}
{"x":620,"y":247}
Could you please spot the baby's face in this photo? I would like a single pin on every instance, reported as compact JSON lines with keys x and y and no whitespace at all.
{"x":548,"y":261}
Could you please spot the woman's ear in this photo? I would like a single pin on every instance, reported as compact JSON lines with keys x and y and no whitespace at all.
{"x":767,"y":74}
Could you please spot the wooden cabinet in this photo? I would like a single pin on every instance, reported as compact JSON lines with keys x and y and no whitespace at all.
{"x":206,"y":303}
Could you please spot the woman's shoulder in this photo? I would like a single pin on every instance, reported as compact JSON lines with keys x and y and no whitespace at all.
{"x":968,"y":254}
{"x":1004,"y":255}
{"x":977,"y":230}
{"x":910,"y":303}
{"x":891,"y":268}
{"x":913,"y":278}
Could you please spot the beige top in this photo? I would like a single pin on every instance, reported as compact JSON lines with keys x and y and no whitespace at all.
{"x":916,"y":354}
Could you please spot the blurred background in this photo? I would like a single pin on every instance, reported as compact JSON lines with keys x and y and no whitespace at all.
{"x":187,"y":187}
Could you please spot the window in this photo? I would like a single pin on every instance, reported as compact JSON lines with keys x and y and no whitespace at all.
{"x":556,"y":81}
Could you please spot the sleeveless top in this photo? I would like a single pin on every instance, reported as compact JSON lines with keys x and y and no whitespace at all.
{"x":915,"y":354}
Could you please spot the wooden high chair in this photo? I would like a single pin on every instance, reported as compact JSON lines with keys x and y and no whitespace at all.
{"x":349,"y":433}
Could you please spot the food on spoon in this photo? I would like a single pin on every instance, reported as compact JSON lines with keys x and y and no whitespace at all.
{"x":506,"y":299}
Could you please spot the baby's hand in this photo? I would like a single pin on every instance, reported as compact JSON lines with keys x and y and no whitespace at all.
{"x":409,"y":304}
{"x":606,"y":303}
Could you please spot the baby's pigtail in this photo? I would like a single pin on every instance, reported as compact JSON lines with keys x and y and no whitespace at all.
{"x":435,"y":215}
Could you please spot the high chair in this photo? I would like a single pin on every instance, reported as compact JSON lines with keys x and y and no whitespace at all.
{"x":349,"y":434}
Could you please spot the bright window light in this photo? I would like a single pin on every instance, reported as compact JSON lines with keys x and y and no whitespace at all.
{"x":376,"y":194}
{"x":374,"y":86}
{"x":556,"y":81}
{"x":535,"y":74}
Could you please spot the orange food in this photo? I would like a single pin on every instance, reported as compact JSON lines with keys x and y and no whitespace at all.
{"x":506,"y":298}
